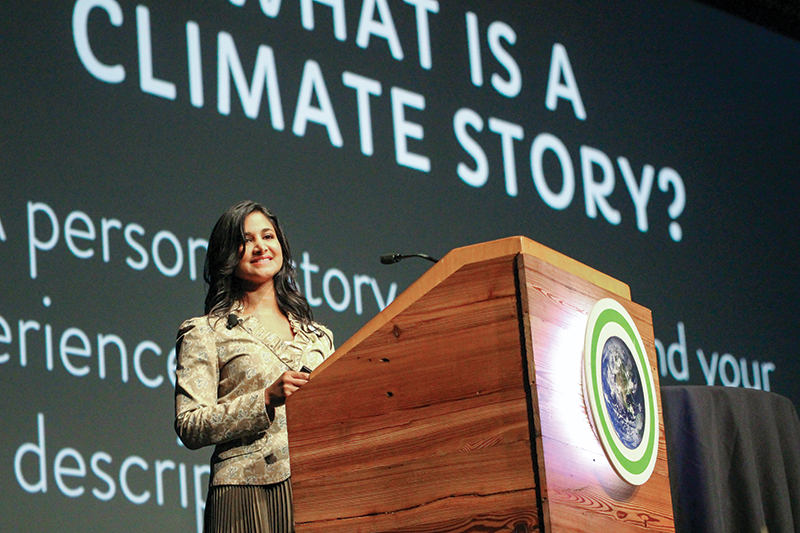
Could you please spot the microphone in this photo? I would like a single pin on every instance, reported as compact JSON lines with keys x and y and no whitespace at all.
{"x":389,"y":259}
{"x":233,"y":321}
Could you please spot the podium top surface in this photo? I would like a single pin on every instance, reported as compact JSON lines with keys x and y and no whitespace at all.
{"x":522,"y":245}
{"x":476,"y":253}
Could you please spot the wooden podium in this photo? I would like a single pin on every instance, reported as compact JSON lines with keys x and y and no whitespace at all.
{"x":459,"y":408}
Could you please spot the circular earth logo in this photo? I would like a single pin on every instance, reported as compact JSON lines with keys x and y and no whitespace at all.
{"x":619,"y":391}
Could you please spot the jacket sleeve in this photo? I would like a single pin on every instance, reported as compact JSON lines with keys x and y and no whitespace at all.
{"x":201,"y":417}
{"x":324,"y":342}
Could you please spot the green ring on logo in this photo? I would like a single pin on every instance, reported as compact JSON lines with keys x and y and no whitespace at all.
{"x":634,"y":466}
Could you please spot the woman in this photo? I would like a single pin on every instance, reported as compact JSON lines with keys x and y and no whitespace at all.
{"x":239,"y":363}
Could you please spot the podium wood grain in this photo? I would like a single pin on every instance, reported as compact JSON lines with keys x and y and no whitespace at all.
{"x":459,"y":408}
{"x":579,"y":489}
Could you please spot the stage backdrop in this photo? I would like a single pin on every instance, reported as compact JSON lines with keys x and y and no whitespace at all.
{"x":654,"y":141}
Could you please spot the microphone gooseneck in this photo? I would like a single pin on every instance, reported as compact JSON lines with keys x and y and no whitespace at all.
{"x":389,"y":259}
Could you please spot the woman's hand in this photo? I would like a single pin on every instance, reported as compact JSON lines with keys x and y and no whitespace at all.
{"x":275,"y":395}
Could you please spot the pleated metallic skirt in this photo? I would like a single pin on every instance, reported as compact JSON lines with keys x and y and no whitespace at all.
{"x":249,"y":509}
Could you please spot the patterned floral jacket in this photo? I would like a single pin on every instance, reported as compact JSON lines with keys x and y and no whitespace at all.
{"x":219,"y":393}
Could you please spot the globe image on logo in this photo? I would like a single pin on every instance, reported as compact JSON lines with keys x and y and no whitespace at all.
{"x":622,"y":391}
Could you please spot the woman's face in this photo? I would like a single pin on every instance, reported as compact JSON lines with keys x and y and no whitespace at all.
{"x":262,"y":256}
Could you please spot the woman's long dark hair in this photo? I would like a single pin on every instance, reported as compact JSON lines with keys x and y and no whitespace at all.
{"x":225,"y":250}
